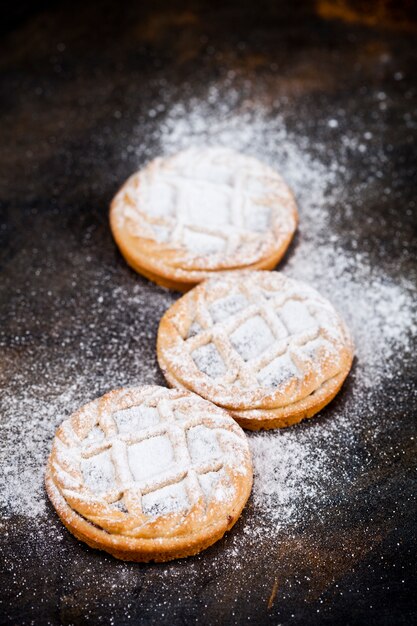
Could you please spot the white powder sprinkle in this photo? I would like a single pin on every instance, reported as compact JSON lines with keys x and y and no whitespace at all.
{"x":294,"y":468}
{"x":98,"y":472}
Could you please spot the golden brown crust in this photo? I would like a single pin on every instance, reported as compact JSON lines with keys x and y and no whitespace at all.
{"x":134,"y":261}
{"x":316,"y":378}
{"x":131,"y":549}
{"x":136,"y":534}
{"x":169,"y":262}
{"x":267,"y":419}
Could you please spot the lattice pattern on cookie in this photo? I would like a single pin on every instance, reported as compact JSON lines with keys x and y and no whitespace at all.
{"x":209,"y":202}
{"x":255,"y":332}
{"x":146,"y":455}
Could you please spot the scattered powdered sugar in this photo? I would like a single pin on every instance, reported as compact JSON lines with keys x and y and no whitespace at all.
{"x":295,"y":469}
{"x":251,"y":131}
{"x":287,"y":472}
{"x":28,"y":425}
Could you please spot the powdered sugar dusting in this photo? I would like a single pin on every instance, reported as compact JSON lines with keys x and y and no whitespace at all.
{"x":252,"y":338}
{"x":250,"y":354}
{"x":295,"y":468}
{"x":218,"y":207}
{"x":158,"y":465}
{"x":169,"y":499}
{"x":98,"y":472}
{"x":150,"y":457}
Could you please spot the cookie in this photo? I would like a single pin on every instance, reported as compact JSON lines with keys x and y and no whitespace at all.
{"x":183,"y":218}
{"x":267,"y":348}
{"x":149,"y":473}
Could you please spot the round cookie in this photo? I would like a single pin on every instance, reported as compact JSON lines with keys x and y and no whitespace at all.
{"x":185,"y":217}
{"x":149,"y":473}
{"x":267,"y":348}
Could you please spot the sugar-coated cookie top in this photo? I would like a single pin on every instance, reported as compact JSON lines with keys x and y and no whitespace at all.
{"x":246,"y":338}
{"x":217,"y":208}
{"x":137,"y":455}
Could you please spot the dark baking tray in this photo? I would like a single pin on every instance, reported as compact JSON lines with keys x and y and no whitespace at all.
{"x":87,"y":89}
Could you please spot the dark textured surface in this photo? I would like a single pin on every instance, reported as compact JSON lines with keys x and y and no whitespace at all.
{"x":77,"y":85}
